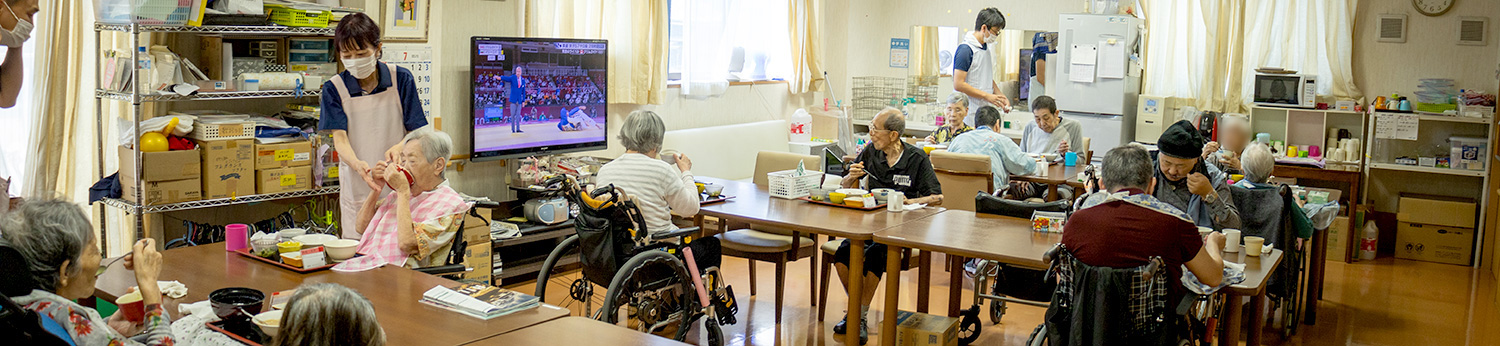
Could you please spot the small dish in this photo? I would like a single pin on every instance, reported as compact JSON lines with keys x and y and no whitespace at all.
{"x":314,"y":240}
{"x":857,"y":202}
{"x":269,"y":321}
{"x":341,"y":249}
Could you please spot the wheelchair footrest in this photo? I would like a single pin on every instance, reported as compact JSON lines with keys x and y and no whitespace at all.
{"x":725,"y":306}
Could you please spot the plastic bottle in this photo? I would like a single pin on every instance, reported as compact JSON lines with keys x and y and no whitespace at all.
{"x":801,"y":126}
{"x":1368,"y":241}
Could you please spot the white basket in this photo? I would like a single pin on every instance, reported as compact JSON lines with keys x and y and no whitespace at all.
{"x":222,"y":131}
{"x":1476,"y":111}
{"x":787,"y":184}
{"x":157,"y":12}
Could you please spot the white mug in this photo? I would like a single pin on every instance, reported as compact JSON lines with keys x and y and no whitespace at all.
{"x":1231,"y":240}
{"x":897,"y":201}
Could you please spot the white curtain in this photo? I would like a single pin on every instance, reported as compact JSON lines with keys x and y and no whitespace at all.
{"x":1207,"y":50}
{"x":637,"y":34}
{"x":806,"y":52}
{"x":705,"y":47}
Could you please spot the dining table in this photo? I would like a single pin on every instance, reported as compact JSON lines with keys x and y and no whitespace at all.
{"x":1058,"y":174}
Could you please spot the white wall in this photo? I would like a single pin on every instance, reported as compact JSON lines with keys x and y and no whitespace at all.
{"x":1429,"y":51}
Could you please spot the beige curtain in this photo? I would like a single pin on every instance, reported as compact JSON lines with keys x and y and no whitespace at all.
{"x":53,"y":163}
{"x":637,"y":34}
{"x":807,"y":54}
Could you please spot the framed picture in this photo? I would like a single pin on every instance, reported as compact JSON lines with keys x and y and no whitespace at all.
{"x":405,"y":20}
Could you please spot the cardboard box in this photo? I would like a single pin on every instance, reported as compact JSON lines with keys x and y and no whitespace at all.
{"x":228,"y":168}
{"x":283,"y":155}
{"x":161,"y":165}
{"x":918,"y":329}
{"x":165,"y":192}
{"x":278,"y":180}
{"x":477,"y":230}
{"x":1435,"y":243}
{"x":1437,"y":210}
{"x":477,"y":257}
{"x":1338,"y":239}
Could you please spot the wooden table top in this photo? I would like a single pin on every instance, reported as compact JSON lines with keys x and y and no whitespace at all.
{"x":754,"y":204}
{"x":1257,"y":269}
{"x":394,"y":292}
{"x":969,"y":234}
{"x":1057,"y":174}
{"x":576,"y":331}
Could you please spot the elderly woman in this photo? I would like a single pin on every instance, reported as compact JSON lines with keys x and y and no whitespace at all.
{"x":958,"y":108}
{"x":62,"y":254}
{"x":411,"y":225}
{"x":658,"y":188}
{"x":329,"y":314}
{"x":1263,"y":207}
{"x":1234,"y":135}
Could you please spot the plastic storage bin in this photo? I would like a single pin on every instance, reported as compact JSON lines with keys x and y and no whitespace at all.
{"x":154,"y":12}
{"x":787,"y":184}
{"x":1471,"y":153}
{"x":300,"y":18}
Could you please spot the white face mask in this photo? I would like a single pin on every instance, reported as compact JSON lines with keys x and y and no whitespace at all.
{"x":990,"y":39}
{"x":360,"y":67}
{"x":18,"y":35}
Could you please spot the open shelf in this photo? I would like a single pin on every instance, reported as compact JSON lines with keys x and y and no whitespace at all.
{"x":130,"y":207}
{"x":1420,"y":169}
{"x":217,"y":29}
{"x":532,"y":266}
{"x":216,"y":95}
{"x":1456,"y":119}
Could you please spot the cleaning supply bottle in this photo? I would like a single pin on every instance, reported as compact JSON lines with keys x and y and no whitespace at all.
{"x":801,"y":126}
{"x":1368,"y":241}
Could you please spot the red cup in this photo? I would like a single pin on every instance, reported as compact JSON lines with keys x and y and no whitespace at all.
{"x":132,"y":306}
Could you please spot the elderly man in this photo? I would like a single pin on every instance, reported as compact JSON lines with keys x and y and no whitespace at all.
{"x":1050,"y":133}
{"x":1127,"y":226}
{"x":1186,"y":182}
{"x":414,"y":223}
{"x":658,"y":189}
{"x":1234,"y":135}
{"x":887,"y":162}
{"x":1005,"y":157}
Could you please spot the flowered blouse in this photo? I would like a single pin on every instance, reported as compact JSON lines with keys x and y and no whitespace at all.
{"x":946,"y":133}
{"x":88,"y":329}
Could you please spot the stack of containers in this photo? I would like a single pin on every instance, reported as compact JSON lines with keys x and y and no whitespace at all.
{"x":1436,"y":95}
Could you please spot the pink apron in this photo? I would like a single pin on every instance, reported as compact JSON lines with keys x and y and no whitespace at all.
{"x":375,"y":125}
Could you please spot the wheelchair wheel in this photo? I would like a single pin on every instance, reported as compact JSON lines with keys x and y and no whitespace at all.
{"x":714,"y":334}
{"x":654,"y":291}
{"x":1038,"y":336}
{"x":968,"y":325}
{"x":997,"y":310}
{"x":578,"y":293}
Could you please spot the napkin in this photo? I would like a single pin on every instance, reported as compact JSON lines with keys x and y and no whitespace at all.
{"x":173,"y":289}
{"x":910,"y":207}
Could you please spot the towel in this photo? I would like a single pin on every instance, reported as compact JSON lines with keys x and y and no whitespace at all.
{"x":1233,"y":273}
{"x":173,"y":289}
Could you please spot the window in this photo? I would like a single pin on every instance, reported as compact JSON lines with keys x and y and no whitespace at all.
{"x":16,"y":135}
{"x":737,"y":35}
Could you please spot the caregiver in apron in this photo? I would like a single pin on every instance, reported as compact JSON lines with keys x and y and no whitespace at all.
{"x":367,"y":109}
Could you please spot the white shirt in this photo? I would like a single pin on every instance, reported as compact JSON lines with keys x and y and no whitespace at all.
{"x":658,"y":188}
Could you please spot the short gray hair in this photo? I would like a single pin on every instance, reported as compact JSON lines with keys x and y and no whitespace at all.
{"x":435,"y":144}
{"x":643,"y":131}
{"x":1127,"y":166}
{"x":329,"y":314}
{"x":1257,"y":163}
{"x":47,"y":233}
{"x":958,"y":99}
{"x":894,"y":120}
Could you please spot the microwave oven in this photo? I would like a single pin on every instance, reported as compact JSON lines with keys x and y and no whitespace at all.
{"x":1285,"y":90}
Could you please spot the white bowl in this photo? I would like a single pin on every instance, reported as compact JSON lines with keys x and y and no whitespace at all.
{"x":881,"y":195}
{"x":852,"y":192}
{"x":269,"y":321}
{"x":290,"y":233}
{"x":314,"y":240}
{"x":341,"y":249}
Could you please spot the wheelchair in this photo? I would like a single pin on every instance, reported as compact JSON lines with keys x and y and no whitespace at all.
{"x":653,"y":284}
{"x":1007,"y":283}
{"x":1149,"y":320}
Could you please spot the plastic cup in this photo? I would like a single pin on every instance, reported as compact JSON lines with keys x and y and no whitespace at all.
{"x":1070,"y":159}
{"x":236,"y":236}
{"x":132,"y":306}
{"x":1231,"y":240}
{"x":1253,"y":245}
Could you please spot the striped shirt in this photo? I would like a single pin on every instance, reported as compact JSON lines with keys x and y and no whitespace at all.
{"x":658,"y":188}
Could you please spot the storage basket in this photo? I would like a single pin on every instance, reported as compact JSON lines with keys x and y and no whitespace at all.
{"x":297,"y":17}
{"x":787,"y":184}
{"x":223,"y":131}
{"x":154,"y":12}
{"x":1435,"y":107}
{"x":1476,"y":111}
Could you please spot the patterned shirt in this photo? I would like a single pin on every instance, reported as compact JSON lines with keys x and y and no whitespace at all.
{"x":1005,"y":157}
{"x":86,"y":327}
{"x":435,"y":214}
{"x":946,"y":133}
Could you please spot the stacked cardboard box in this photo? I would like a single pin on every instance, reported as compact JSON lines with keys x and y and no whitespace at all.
{"x":919,"y":329}
{"x":479,"y":255}
{"x":168,"y":176}
{"x":228,"y":168}
{"x":1435,"y":229}
{"x":283,"y":167}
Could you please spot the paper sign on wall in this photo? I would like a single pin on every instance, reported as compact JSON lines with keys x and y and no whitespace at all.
{"x":900,"y":52}
{"x":1111,"y":59}
{"x":1396,"y":126}
{"x":1084,"y":59}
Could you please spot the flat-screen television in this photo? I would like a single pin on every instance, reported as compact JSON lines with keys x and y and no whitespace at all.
{"x":537,"y":96}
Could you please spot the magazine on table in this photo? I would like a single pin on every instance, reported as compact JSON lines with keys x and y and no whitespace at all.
{"x":480,"y":300}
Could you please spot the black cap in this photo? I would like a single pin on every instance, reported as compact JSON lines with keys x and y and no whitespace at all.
{"x":1181,"y":140}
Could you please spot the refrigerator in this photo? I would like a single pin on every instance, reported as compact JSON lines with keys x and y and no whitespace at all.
{"x":1095,"y":76}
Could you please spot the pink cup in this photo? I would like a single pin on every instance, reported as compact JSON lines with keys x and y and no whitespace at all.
{"x":236,"y":236}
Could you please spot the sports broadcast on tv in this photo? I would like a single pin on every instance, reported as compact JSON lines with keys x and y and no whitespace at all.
{"x":538,"y":96}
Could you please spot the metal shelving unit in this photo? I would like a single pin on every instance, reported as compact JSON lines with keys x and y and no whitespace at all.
{"x":137,"y":97}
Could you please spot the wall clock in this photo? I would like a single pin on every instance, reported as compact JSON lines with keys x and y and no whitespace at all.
{"x":1432,"y":8}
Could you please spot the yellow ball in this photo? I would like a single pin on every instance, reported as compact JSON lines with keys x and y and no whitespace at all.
{"x":153,"y":142}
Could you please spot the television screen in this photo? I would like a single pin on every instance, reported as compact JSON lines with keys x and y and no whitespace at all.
{"x":537,"y":96}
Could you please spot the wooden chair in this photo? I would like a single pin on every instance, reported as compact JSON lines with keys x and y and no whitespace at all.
{"x":769,"y":244}
{"x":1088,"y":153}
{"x":962,"y":175}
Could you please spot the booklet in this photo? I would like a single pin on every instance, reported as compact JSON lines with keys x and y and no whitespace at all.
{"x":480,"y":300}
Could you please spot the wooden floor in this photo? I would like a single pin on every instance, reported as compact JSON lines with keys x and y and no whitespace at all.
{"x":1381,"y":302}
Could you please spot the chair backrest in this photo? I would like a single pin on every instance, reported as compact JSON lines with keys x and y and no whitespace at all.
{"x":1088,"y":292}
{"x":1262,"y":212}
{"x":773,"y":161}
{"x":962,"y":174}
{"x":17,"y":324}
{"x":1085,"y":149}
{"x":991,"y":204}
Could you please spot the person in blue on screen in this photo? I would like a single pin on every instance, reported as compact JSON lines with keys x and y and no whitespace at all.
{"x":576,"y":120}
{"x":517,"y":84}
